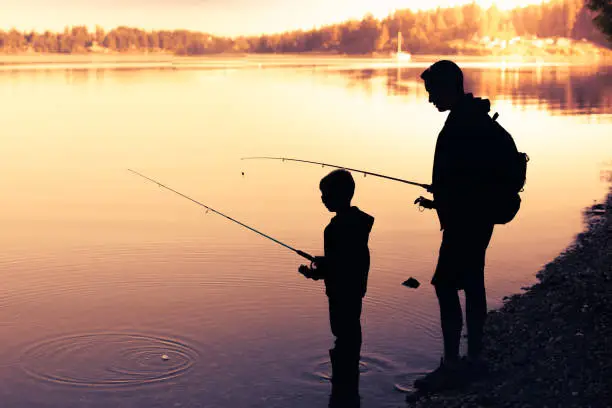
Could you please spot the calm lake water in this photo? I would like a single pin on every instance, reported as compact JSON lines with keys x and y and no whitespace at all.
{"x":103,"y":272}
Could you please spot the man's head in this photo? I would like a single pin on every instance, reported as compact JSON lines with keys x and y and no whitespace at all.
{"x":337,"y":189}
{"x":444,"y":83}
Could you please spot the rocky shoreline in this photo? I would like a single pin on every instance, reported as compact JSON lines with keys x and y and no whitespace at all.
{"x":552,"y":345}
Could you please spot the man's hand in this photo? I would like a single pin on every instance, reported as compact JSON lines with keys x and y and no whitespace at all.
{"x":425,"y":203}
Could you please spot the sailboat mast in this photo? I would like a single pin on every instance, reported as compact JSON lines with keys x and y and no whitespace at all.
{"x":399,"y":42}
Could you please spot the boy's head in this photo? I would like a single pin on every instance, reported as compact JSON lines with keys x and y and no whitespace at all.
{"x":444,"y":83}
{"x":337,"y":189}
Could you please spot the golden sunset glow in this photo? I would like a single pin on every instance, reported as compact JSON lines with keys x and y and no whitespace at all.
{"x":234,"y":17}
{"x":118,"y":292}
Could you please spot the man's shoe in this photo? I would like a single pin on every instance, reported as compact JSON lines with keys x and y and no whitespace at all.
{"x":447,"y":376}
{"x":475,"y":368}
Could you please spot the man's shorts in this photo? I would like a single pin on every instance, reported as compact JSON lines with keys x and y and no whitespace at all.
{"x":462,"y":255}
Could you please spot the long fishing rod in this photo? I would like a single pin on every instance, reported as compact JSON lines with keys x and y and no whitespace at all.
{"x":297,"y":251}
{"x":425,"y":186}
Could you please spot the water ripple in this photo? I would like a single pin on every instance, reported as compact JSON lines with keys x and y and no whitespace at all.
{"x":108,"y":360}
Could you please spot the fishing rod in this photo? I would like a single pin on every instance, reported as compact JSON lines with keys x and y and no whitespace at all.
{"x":297,"y":251}
{"x":411,"y":282}
{"x":425,"y":186}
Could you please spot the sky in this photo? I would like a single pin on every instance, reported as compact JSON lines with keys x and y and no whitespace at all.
{"x":221,"y":17}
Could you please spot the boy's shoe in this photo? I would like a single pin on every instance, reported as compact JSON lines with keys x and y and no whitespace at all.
{"x":447,"y":376}
{"x":344,"y":380}
{"x":345,"y":401}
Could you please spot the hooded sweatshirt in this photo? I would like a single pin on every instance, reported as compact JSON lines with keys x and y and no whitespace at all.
{"x":467,"y":161}
{"x":347,"y":256}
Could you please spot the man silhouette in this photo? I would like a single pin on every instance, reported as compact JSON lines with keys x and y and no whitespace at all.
{"x":465,"y":165}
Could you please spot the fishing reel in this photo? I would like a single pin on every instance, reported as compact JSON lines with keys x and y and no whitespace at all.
{"x":424,"y":203}
{"x":316,"y":269}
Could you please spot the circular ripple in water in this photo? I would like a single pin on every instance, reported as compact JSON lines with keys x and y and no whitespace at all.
{"x":404,"y":381}
{"x":367,"y":364}
{"x":108,"y":360}
{"x":323,"y":370}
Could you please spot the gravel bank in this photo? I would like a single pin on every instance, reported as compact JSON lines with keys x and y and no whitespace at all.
{"x":552,"y":345}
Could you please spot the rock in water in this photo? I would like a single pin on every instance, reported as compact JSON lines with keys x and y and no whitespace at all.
{"x":411,"y":283}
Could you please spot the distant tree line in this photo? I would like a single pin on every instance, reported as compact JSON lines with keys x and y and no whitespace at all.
{"x":427,"y":31}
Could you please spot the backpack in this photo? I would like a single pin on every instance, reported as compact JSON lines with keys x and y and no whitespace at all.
{"x":506,"y":201}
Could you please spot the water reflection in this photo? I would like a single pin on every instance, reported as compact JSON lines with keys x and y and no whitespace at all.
{"x":559,"y":90}
{"x":103,"y":275}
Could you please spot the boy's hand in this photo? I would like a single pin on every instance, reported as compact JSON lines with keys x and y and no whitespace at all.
{"x":319,"y":263}
{"x":307,"y":272}
{"x":316,"y":270}
{"x":425,"y":203}
{"x":304,"y":270}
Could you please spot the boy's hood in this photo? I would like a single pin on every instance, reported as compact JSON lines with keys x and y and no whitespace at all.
{"x":354,"y":216}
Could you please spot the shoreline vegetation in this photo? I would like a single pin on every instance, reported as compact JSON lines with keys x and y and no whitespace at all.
{"x":551,"y":346}
{"x":554,"y":29}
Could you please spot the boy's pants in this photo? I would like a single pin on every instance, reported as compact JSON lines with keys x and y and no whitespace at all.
{"x":344,"y":318}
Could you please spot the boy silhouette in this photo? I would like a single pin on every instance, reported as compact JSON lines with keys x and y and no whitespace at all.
{"x":344,"y":268}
